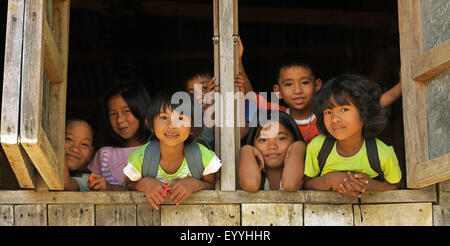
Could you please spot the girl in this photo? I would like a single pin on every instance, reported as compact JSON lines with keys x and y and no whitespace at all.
{"x":349,"y":112}
{"x":273,"y":158}
{"x":79,"y":147}
{"x":172,"y":128}
{"x":123,"y":118}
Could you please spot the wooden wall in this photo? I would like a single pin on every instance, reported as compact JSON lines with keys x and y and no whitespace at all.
{"x":216,"y":208}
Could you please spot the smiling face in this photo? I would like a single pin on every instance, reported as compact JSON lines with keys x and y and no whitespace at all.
{"x":171,"y":128}
{"x":78,"y":144}
{"x":296,"y":85}
{"x":122,"y":120}
{"x":273,"y":142}
{"x":343,"y":122}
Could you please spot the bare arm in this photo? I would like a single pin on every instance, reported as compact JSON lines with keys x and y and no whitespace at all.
{"x":391,"y":95}
{"x":69,"y":183}
{"x":249,"y":169}
{"x":292,"y":177}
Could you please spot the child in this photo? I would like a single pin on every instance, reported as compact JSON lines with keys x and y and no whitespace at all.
{"x":349,"y":113}
{"x":78,"y":147}
{"x":124,"y":121}
{"x":173,"y":132}
{"x":296,"y":85}
{"x":273,"y":145}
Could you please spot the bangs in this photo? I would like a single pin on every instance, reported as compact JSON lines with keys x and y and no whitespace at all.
{"x":332,"y":98}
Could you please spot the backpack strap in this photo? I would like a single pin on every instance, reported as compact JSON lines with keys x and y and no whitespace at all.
{"x":194,"y":159}
{"x":372,"y":155}
{"x":152,"y":157}
{"x":324,"y":152}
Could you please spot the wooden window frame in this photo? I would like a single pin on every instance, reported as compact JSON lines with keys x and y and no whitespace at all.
{"x":418,"y":67}
{"x":34,"y":96}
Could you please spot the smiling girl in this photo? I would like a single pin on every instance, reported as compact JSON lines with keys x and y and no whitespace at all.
{"x":123,"y":118}
{"x":349,"y":113}
{"x":174,"y":135}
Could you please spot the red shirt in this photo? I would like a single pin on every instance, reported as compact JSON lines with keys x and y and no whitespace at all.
{"x":308,"y":127}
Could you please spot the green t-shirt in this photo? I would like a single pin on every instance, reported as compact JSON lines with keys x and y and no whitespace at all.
{"x":136,"y":158}
{"x":358,"y":163}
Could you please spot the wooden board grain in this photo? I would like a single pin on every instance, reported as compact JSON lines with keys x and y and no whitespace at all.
{"x":71,"y":215}
{"x":271,"y":214}
{"x":407,"y":214}
{"x":200,"y":215}
{"x":328,"y":215}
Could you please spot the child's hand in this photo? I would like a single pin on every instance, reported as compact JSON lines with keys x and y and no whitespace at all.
{"x":97,"y":182}
{"x":182,"y":189}
{"x":239,"y":82}
{"x":336,"y":180}
{"x":153,"y":190}
{"x":240,"y":47}
{"x":358,"y":182}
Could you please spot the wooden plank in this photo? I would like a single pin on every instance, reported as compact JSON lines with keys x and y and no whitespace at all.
{"x":147,"y":216}
{"x":217,"y":197}
{"x":6,"y":215}
{"x":215,"y":41}
{"x":414,"y":103}
{"x":58,"y":91}
{"x":408,"y":214}
{"x":53,"y":63}
{"x":200,"y":215}
{"x":227,"y":103}
{"x":271,"y":214}
{"x":45,"y":160}
{"x":30,"y":215}
{"x":18,"y":159}
{"x":71,"y":215}
{"x":431,"y":172}
{"x":328,"y":215}
{"x":432,"y":62}
{"x":115,"y":215}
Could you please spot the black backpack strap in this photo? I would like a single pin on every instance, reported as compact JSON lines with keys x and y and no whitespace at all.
{"x":372,"y":155}
{"x":263,"y":181}
{"x":152,"y":156}
{"x":194,"y":159}
{"x":324,"y":152}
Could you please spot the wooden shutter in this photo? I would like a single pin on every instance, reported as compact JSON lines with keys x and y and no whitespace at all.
{"x":425,"y":56}
{"x":35,"y":100}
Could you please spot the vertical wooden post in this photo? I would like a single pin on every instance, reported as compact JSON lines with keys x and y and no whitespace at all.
{"x":17,"y":157}
{"x":226,"y":114}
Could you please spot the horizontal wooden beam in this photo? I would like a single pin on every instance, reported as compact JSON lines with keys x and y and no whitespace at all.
{"x":53,"y":62}
{"x":430,"y":172}
{"x":217,"y":197}
{"x":432,"y":62}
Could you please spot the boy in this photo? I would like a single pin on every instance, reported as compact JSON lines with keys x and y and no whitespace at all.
{"x":296,"y":86}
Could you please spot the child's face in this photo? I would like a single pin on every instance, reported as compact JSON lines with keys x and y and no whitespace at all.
{"x":123,"y":122}
{"x":343,"y":122}
{"x":273,"y":142}
{"x":171,"y":128}
{"x":200,"y":90}
{"x":78,"y":145}
{"x":296,"y":86}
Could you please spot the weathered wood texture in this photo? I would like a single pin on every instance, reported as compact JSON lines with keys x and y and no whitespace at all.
{"x":328,"y":215}
{"x":200,"y":215}
{"x":424,"y":114}
{"x":71,"y":215}
{"x":18,"y":159}
{"x":260,"y":214}
{"x":272,"y":214}
{"x":411,"y":214}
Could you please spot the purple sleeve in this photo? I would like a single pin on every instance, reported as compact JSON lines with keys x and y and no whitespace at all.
{"x":95,"y":165}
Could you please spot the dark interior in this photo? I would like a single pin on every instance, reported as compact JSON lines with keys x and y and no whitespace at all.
{"x":163,"y":42}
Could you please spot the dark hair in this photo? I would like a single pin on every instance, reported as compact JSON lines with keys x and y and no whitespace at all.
{"x":295,"y":60}
{"x":137,"y":97}
{"x":360,"y":91}
{"x":284,"y":119}
{"x":163,"y":101}
{"x":202,"y":73}
{"x":83,"y":117}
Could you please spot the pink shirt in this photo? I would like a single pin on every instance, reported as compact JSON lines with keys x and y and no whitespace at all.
{"x":109,"y":162}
